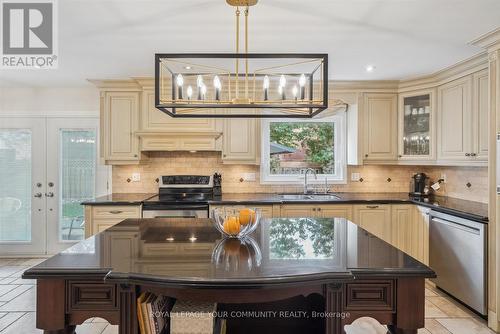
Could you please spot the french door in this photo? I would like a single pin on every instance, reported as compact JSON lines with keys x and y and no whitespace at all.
{"x":58,"y":169}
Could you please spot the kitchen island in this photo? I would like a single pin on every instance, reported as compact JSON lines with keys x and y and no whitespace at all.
{"x":325,"y":272}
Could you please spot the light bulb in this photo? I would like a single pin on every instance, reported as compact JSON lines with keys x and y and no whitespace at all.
{"x":203,"y":89}
{"x":266,"y":82}
{"x":282,"y":81}
{"x":295,"y":91}
{"x":190,"y":92}
{"x":179,"y":80}
{"x":199,"y":81}
{"x":302,"y":80}
{"x":280,"y":90}
{"x":217,"y":83}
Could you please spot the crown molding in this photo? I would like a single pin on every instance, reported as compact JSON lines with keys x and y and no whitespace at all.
{"x":125,"y":84}
{"x":489,"y":41}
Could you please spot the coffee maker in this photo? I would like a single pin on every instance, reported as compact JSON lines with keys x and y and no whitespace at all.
{"x":419,"y":185}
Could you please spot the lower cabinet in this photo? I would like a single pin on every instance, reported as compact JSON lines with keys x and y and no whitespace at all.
{"x":318,"y":211}
{"x":100,"y":217}
{"x":375,"y":218}
{"x":267,"y":210}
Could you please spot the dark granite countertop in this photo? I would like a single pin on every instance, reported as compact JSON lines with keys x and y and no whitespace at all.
{"x":191,"y":252}
{"x":119,"y":199}
{"x":466,"y":209}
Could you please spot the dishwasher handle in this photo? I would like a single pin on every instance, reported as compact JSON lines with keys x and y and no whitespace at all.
{"x":457,"y":225}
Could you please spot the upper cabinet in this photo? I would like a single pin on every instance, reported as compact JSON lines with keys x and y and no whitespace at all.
{"x":480,"y":115}
{"x":454,"y":120}
{"x":120,"y":121}
{"x":239,"y":144}
{"x":416,"y":139}
{"x":463,"y":119}
{"x":380,"y":126}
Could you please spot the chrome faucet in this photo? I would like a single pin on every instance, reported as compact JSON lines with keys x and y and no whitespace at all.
{"x":306,"y":185}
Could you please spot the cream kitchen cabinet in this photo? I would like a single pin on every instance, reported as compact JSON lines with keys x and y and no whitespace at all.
{"x":297,"y":211}
{"x":375,"y":218}
{"x":100,"y":217}
{"x":454,"y":120}
{"x":267,"y":210}
{"x":120,"y":121}
{"x":161,"y":132}
{"x":154,"y":120}
{"x":421,"y":234}
{"x":402,"y":227}
{"x":480,"y":111}
{"x":239,"y":143}
{"x":417,"y":126}
{"x":316,"y":211}
{"x":463,"y":119}
{"x":380,"y":127}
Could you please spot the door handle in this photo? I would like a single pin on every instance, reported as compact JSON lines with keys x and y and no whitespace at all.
{"x":38,"y":195}
{"x":49,"y":194}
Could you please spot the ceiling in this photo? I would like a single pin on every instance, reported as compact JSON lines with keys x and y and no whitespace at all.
{"x":116,"y":39}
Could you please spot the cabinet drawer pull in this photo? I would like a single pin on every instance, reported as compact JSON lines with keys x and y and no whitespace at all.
{"x":314,"y":209}
{"x":319,"y":209}
{"x":372,"y":206}
{"x":473,"y":154}
{"x":115,"y":212}
{"x":467,"y":154}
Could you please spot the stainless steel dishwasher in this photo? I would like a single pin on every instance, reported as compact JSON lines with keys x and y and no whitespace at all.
{"x":458,"y":255}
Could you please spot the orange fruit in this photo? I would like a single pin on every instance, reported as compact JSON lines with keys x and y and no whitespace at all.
{"x":232,"y":226}
{"x":247,"y":216}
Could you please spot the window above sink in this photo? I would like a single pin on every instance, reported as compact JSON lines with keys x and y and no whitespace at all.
{"x":290,"y":147}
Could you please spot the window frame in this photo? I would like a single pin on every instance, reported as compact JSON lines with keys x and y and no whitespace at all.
{"x":340,"y":145}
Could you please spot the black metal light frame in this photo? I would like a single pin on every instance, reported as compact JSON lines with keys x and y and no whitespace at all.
{"x":314,"y":109}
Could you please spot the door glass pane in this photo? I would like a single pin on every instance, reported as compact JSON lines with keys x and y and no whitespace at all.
{"x":15,"y":185}
{"x":416,"y":136}
{"x":77,"y":183}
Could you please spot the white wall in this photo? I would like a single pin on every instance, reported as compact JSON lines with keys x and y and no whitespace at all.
{"x":57,"y":101}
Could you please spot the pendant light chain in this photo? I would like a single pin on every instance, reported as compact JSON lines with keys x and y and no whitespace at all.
{"x":237,"y":50}
{"x":246,"y":52}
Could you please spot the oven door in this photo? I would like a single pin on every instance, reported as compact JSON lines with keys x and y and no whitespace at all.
{"x":175,"y":211}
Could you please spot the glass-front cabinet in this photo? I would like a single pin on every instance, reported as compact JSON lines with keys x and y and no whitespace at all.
{"x":416,"y":126}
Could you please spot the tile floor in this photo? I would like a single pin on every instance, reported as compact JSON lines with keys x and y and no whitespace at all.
{"x":17,"y":308}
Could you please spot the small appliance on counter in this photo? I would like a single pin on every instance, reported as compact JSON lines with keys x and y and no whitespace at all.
{"x":217,"y":181}
{"x":419,"y":185}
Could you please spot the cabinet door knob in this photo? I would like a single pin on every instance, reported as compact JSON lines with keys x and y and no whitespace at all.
{"x":314,"y":209}
{"x":319,"y":209}
{"x":473,"y":154}
{"x":467,"y":154}
{"x":366,"y":155}
{"x":38,"y":195}
{"x":49,"y":194}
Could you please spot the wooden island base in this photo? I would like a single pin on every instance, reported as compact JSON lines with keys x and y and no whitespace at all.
{"x":395,"y":301}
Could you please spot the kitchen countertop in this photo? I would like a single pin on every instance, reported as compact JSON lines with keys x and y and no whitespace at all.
{"x":466,"y":209}
{"x":315,"y":249}
{"x":120,"y":199}
{"x":463,"y":208}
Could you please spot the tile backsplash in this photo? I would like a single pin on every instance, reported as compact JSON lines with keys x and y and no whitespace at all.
{"x":374,"y":177}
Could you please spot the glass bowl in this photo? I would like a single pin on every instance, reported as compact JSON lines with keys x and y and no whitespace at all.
{"x":237,"y":255}
{"x":236,"y":222}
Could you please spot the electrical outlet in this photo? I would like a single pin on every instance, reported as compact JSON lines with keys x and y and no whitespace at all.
{"x":250,"y":177}
{"x":136,"y":177}
{"x":355,"y":177}
{"x":443,"y":177}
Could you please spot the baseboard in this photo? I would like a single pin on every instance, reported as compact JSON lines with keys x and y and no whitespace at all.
{"x":493,"y":322}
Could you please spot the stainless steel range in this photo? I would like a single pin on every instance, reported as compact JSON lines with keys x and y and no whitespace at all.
{"x":183,"y":196}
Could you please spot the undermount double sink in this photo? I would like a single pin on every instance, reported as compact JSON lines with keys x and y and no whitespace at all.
{"x":305,"y":197}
